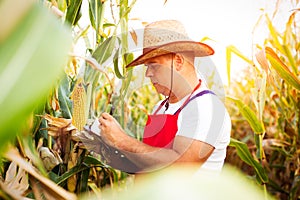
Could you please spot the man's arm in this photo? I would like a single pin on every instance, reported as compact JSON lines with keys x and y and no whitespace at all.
{"x":185,"y":150}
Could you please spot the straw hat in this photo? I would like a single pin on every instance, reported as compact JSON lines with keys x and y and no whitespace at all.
{"x":167,"y":36}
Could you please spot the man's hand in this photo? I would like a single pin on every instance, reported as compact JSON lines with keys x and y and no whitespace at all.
{"x":111,"y":130}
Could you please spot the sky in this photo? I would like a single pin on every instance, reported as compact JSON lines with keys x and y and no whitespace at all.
{"x":227,"y":22}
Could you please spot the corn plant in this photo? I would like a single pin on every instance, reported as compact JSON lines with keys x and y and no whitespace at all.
{"x":269,"y":104}
{"x":28,"y":45}
{"x":88,"y":89}
{"x":78,"y":96}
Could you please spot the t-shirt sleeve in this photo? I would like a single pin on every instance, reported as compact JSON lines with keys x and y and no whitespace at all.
{"x":206,"y":119}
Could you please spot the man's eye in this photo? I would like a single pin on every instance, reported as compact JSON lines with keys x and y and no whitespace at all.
{"x":154,"y":66}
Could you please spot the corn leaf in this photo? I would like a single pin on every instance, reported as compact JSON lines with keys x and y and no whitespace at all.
{"x":228,"y":64}
{"x":262,"y":96}
{"x":19,"y":10}
{"x":282,"y":70}
{"x":125,"y":8}
{"x":229,"y":50}
{"x":295,"y":187}
{"x":105,"y":49}
{"x":288,"y":34}
{"x":31,"y":58}
{"x":16,"y":180}
{"x":274,"y":35}
{"x":96,"y":11}
{"x":83,"y":184}
{"x":176,"y":183}
{"x":256,"y":125}
{"x":90,"y":160}
{"x":73,"y":171}
{"x":245,"y":155}
{"x":73,"y":12}
{"x":290,"y":57}
{"x":116,"y":65}
{"x":47,"y":184}
{"x":65,"y":103}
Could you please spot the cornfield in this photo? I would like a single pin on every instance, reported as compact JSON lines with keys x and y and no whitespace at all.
{"x":50,"y":93}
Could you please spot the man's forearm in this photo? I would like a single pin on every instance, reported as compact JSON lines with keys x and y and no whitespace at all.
{"x":147,"y":157}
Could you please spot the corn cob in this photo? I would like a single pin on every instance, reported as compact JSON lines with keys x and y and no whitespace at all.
{"x":79,"y":99}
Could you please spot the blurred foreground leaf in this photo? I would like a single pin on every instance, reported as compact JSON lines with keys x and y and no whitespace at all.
{"x":32,"y":56}
{"x":181,"y":183}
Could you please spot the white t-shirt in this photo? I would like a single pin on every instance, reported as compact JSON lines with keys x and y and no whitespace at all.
{"x":205,"y":118}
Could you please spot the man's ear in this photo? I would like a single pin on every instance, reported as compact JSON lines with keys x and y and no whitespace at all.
{"x":178,"y":60}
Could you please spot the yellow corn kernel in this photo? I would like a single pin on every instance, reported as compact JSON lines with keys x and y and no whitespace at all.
{"x":79,"y":99}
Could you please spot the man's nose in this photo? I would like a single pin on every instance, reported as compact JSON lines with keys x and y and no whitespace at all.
{"x":148,"y":72}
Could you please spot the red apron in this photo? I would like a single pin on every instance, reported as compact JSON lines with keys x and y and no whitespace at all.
{"x":160,"y":129}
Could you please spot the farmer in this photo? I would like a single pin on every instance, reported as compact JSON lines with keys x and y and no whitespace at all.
{"x":191,"y":126}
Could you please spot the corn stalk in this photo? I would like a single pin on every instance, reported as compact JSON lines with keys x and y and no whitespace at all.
{"x":271,"y":111}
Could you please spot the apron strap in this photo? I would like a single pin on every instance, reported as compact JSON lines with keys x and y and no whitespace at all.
{"x":187,"y":100}
{"x":194,"y":97}
{"x":160,"y":106}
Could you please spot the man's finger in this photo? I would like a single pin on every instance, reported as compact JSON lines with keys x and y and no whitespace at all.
{"x":105,"y":115}
{"x":102,"y":121}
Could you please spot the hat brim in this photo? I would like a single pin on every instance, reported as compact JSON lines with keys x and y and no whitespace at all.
{"x":199,"y":49}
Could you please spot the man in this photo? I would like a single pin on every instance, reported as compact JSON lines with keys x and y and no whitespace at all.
{"x":191,"y":126}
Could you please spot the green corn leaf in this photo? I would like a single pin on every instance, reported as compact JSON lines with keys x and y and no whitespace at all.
{"x":244,"y":153}
{"x":128,"y":57}
{"x":274,"y":35}
{"x":73,"y":171}
{"x":256,"y":125}
{"x":288,"y":34}
{"x":92,"y":14}
{"x":96,"y":12}
{"x":291,"y":59}
{"x":116,"y":65}
{"x":282,"y":70}
{"x":84,"y":177}
{"x":259,"y":147}
{"x":228,"y":64}
{"x":125,"y":8}
{"x":175,"y":183}
{"x":73,"y":12}
{"x":262,"y":96}
{"x":259,"y":94}
{"x":105,"y":49}
{"x":64,"y":100}
{"x":90,"y":160}
{"x":234,"y":50}
{"x":32,"y":57}
{"x":229,"y":50}
{"x":295,"y":187}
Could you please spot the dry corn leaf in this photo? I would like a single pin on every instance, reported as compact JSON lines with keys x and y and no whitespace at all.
{"x":274,"y":142}
{"x":72,"y":181}
{"x":282,"y":69}
{"x":262,"y":60}
{"x":46,"y":184}
{"x":58,"y":126}
{"x":134,"y":36}
{"x":16,"y":181}
{"x":49,"y":157}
